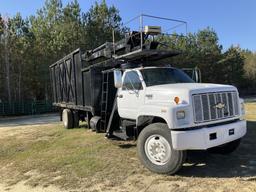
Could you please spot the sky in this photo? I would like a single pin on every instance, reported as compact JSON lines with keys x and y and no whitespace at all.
{"x":233,"y":20}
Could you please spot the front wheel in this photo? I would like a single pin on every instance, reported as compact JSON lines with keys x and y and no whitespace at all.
{"x":155,"y":150}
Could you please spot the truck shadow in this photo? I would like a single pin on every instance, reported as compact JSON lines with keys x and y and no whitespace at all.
{"x":127,"y":145}
{"x":241,"y":163}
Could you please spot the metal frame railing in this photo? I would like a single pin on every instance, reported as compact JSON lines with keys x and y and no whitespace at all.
{"x":141,"y":19}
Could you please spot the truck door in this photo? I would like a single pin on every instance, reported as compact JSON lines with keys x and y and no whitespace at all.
{"x":130,"y":96}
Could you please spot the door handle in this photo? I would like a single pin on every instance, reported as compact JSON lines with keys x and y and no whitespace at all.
{"x":149,"y":96}
{"x":120,"y":96}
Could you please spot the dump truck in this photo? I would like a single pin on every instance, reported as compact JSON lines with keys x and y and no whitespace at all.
{"x":128,"y":91}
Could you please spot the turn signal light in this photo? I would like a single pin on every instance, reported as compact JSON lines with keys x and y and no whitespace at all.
{"x":176,"y":100}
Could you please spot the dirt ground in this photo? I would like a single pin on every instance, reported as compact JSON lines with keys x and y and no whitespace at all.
{"x":47,"y":158}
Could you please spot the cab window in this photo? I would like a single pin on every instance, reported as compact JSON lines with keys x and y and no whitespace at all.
{"x":131,"y":81}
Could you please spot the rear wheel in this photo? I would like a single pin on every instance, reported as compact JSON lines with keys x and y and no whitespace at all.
{"x":155,"y":150}
{"x":67,"y":118}
{"x":88,"y":119}
{"x":76,"y":118}
{"x":226,"y":148}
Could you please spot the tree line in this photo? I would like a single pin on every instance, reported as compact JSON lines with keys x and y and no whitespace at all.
{"x":29,"y":45}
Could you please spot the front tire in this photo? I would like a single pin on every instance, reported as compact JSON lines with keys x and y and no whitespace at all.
{"x":155,"y":150}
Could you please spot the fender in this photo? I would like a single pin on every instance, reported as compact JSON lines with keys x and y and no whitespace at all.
{"x":149,"y":111}
{"x":166,"y":112}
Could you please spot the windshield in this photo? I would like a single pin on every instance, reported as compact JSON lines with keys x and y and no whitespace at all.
{"x":159,"y":76}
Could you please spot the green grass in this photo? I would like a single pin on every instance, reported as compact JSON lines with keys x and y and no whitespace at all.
{"x":49,"y":154}
{"x":70,"y":154}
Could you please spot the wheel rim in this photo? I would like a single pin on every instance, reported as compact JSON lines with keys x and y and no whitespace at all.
{"x":157,"y":149}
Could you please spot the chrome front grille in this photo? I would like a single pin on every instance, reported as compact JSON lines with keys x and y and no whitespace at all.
{"x":215,"y":106}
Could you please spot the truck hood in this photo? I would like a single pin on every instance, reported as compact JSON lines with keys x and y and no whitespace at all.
{"x":167,"y":92}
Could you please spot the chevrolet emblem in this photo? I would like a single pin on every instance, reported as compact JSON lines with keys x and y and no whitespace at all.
{"x":219,"y":105}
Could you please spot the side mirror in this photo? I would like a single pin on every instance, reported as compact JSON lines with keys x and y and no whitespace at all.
{"x":194,"y":73}
{"x":117,"y":78}
{"x":198,"y":78}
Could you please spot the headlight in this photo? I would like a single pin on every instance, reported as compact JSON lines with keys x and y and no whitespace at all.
{"x":180,"y":115}
{"x":242,"y":108}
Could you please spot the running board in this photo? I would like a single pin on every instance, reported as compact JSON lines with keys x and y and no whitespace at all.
{"x":121,"y":135}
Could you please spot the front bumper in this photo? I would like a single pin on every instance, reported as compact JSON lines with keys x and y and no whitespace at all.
{"x":205,"y":138}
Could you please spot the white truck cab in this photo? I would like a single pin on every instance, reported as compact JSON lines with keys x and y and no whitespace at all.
{"x":190,"y":116}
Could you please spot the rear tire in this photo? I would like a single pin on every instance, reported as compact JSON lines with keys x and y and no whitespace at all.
{"x":226,"y":148}
{"x":67,"y":118}
{"x":88,"y":119}
{"x":76,"y":119}
{"x":155,"y":150}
